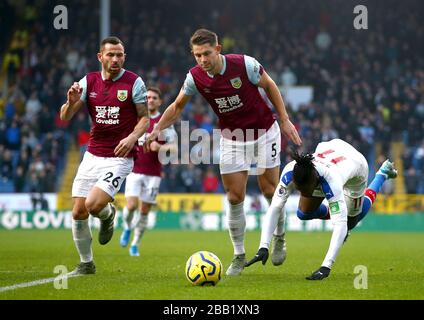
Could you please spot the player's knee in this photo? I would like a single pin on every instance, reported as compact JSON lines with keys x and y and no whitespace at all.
{"x":268,"y":189}
{"x":269,"y":193}
{"x":131,"y":206}
{"x":93,"y":207}
{"x":79,"y":213}
{"x":145,"y":208}
{"x":235,"y":198}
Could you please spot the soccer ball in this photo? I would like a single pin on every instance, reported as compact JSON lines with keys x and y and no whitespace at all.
{"x":203,"y":268}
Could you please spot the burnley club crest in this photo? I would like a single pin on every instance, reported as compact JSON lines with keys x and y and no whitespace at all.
{"x":236,"y":83}
{"x":122,"y":95}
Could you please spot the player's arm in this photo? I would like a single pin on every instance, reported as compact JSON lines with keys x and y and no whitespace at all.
{"x":338,"y":214}
{"x":173,"y":112}
{"x":126,"y":145}
{"x":167,"y":147}
{"x":272,"y":215}
{"x":155,"y":146}
{"x":281,"y":194}
{"x":73,"y":102}
{"x":274,"y":95}
{"x":170,"y":116}
{"x":143,"y":122}
{"x":168,"y":136}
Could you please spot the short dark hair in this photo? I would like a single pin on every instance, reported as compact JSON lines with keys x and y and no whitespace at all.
{"x":203,"y":36}
{"x":156,"y":90}
{"x":112,"y":40}
{"x":304,"y":169}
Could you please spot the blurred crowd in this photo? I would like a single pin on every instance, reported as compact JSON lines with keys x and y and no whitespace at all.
{"x":368,"y":85}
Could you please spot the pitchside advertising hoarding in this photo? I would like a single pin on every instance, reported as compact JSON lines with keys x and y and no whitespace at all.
{"x":186,"y":211}
{"x":27,"y":201}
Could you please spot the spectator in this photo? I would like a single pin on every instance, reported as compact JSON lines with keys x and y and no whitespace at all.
{"x":210,"y":181}
{"x":369,"y":84}
{"x":13,"y":136}
{"x":323,"y":40}
{"x":288,"y":78}
{"x":19,"y":180}
{"x":32,"y":107}
{"x":191,"y":177}
{"x":46,"y":120}
{"x":412,"y":180}
{"x":6,"y":166}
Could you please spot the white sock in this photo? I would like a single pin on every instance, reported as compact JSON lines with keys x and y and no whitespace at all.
{"x":279,"y":230}
{"x":104,"y":213}
{"x":237,"y":226}
{"x":127,"y":218}
{"x":274,"y":215}
{"x":139,"y":229}
{"x":81,"y":233}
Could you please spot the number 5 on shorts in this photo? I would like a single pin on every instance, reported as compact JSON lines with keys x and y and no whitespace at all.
{"x":274,"y":150}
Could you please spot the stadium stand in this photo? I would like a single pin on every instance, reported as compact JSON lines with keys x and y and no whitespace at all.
{"x":368,"y":85}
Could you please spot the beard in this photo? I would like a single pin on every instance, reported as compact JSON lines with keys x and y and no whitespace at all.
{"x":114,"y":69}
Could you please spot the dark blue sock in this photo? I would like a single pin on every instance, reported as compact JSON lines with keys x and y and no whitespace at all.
{"x":365,"y":208}
{"x":320,"y":213}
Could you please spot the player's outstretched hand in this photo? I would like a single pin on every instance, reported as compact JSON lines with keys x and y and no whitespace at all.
{"x":290,"y":132}
{"x":74,"y":93}
{"x":125,"y":146}
{"x":320,"y":274}
{"x":150,"y":138}
{"x":262,"y":255}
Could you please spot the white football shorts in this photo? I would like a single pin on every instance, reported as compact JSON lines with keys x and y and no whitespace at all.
{"x":106,"y":173}
{"x":236,"y":156}
{"x":142,"y":186}
{"x":354,"y":190}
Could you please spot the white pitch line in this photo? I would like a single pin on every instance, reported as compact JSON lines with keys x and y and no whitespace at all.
{"x":35,"y":283}
{"x":25,"y":271}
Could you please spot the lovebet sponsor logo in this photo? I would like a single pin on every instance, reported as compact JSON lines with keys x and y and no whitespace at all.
{"x":35,"y":220}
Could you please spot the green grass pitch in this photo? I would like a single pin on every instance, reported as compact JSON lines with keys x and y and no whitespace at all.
{"x":394,"y":262}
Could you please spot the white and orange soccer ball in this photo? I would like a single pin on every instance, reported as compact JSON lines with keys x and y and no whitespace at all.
{"x":203,"y":268}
